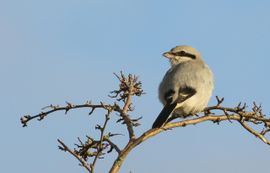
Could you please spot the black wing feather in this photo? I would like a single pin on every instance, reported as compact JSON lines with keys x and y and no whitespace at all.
{"x":183,"y":94}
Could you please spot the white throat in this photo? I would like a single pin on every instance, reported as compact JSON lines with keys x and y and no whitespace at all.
{"x":178,"y":60}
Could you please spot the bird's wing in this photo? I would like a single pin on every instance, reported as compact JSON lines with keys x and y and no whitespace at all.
{"x":183,"y":94}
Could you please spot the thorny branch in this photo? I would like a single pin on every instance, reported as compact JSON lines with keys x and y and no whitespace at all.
{"x":69,"y":106}
{"x":83,"y":163}
{"x":89,"y":152}
{"x":101,"y":146}
{"x":129,"y":86}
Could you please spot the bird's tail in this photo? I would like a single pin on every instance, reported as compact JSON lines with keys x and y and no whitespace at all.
{"x":164,"y":115}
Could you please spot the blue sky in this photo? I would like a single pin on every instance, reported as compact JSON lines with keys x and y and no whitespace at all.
{"x":57,"y":51}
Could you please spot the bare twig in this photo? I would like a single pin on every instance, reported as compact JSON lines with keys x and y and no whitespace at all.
{"x":26,"y":118}
{"x":100,"y":147}
{"x":79,"y":158}
{"x":252,"y":131}
{"x":128,"y":87}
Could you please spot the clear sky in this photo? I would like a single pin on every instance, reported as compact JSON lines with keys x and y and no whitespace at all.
{"x":67,"y":50}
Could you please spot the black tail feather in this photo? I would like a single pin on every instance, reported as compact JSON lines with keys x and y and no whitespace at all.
{"x":164,"y":115}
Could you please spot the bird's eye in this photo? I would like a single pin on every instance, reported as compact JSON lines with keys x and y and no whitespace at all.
{"x":182,"y":52}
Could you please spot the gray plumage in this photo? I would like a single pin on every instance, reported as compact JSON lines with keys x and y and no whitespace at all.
{"x":186,"y":87}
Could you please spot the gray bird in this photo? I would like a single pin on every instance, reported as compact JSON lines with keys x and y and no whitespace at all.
{"x":186,"y":87}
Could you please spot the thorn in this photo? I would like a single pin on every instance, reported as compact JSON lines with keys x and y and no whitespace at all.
{"x":88,"y":102}
{"x":238,"y":106}
{"x":219,"y":101}
{"x":93,"y":109}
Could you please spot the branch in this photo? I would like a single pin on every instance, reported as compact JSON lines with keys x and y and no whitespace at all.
{"x":63,"y":147}
{"x":113,"y":146}
{"x":100,"y":147}
{"x":128,"y":87}
{"x":252,"y":131}
{"x":52,"y":108}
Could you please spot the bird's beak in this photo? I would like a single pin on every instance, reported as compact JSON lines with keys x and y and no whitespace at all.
{"x":168,"y":55}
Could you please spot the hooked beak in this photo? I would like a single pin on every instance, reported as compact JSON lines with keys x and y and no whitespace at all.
{"x":168,"y":55}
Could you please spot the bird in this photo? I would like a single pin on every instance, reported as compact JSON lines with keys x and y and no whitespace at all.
{"x":187,"y":86}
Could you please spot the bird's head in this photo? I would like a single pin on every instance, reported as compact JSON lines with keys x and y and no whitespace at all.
{"x":181,"y":54}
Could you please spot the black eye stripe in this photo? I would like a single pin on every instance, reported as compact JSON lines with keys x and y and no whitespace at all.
{"x":183,"y":53}
{"x":191,"y":55}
